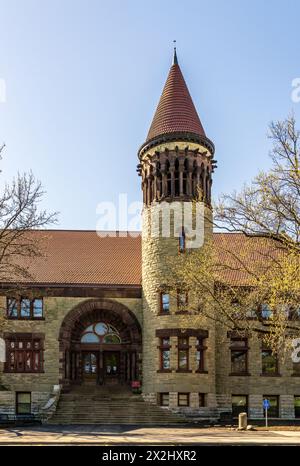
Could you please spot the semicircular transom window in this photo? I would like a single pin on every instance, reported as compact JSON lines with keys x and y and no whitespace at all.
{"x":100,"y":333}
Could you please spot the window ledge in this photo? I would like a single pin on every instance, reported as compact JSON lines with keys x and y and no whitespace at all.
{"x":162,"y":371}
{"x":23,"y":372}
{"x":26,"y":319}
{"x":239,"y":374}
{"x":270,"y":375}
{"x":201,"y":371}
{"x":184,"y":371}
{"x":295,"y":374}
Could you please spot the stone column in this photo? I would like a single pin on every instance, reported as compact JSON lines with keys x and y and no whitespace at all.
{"x":155,"y":186}
{"x":172,"y":169}
{"x":173,"y":354}
{"x":101,"y":368}
{"x":181,"y":168}
{"x":203,"y":184}
{"x":132,"y":376}
{"x":189,"y":183}
{"x":163,"y":180}
{"x":149,"y":189}
{"x":193,"y":354}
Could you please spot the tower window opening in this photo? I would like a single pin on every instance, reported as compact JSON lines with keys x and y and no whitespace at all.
{"x":158,"y":181}
{"x":208,"y":186}
{"x":184,"y":178}
{"x":184,"y":183}
{"x":169,"y":179}
{"x":169,"y":184}
{"x":201,"y":190}
{"x":176,"y":176}
{"x":194,"y":179}
{"x":159,"y":185}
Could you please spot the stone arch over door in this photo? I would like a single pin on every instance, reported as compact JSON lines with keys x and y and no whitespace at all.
{"x":90,"y":312}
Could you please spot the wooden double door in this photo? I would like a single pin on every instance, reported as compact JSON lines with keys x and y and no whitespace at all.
{"x":101,"y":367}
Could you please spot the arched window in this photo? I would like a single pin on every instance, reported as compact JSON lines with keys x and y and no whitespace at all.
{"x":100,"y":333}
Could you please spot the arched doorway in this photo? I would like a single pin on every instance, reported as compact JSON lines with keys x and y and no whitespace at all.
{"x":100,"y":343}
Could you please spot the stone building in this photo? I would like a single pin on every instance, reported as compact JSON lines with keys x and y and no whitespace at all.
{"x":97,"y":319}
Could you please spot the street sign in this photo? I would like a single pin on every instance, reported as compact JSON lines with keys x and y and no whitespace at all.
{"x":266,"y":406}
{"x":266,"y":403}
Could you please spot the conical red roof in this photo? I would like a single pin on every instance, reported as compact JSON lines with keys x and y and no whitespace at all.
{"x":176,"y":111}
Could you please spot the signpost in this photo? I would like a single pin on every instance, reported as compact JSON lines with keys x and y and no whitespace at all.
{"x":266,"y":406}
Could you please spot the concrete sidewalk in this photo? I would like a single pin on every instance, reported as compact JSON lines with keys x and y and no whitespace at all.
{"x":120,"y":435}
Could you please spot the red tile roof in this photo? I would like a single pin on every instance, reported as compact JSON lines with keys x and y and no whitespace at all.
{"x":175,"y":111}
{"x":237,"y":253}
{"x":75,"y":257}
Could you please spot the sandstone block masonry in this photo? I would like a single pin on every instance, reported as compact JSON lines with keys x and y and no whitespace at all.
{"x":41,"y":384}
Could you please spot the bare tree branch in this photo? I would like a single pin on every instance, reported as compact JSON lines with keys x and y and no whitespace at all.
{"x":252,"y":285}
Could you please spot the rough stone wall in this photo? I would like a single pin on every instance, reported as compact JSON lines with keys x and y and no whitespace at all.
{"x":8,"y":402}
{"x":255,"y":385}
{"x":41,"y":384}
{"x":155,"y":272}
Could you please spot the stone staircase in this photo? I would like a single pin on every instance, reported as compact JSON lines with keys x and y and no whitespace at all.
{"x":109,"y":405}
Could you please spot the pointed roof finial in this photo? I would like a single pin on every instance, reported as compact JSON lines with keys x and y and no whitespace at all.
{"x":175,"y":112}
{"x":175,"y":61}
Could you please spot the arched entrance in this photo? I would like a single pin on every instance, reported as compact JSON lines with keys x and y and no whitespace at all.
{"x":100,"y":343}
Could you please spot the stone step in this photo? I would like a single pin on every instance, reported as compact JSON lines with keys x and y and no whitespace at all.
{"x":99,"y":405}
{"x":109,"y":405}
{"x":114,"y":413}
{"x":127,"y":421}
{"x":115,"y":417}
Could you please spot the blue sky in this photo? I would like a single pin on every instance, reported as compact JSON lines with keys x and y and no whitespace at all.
{"x":83,"y":79}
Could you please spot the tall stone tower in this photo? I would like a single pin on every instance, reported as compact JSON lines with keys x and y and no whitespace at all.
{"x":176,"y":165}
